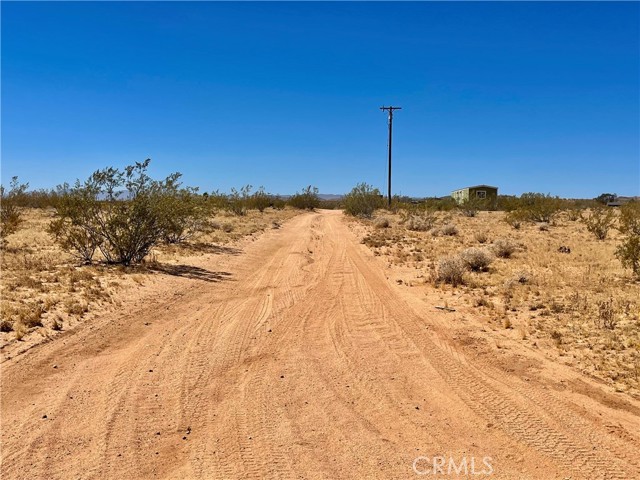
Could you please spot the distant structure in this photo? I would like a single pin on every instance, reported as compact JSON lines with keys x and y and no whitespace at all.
{"x":477,"y":192}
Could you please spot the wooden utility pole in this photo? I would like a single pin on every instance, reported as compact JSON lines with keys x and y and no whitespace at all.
{"x":390,"y":109}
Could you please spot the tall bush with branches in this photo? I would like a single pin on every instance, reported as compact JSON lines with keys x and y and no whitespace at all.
{"x":307,"y":199}
{"x":599,"y":221}
{"x":362,"y":201}
{"x":10,"y":218}
{"x":123,"y":214}
{"x":628,"y":252}
{"x":260,"y":200}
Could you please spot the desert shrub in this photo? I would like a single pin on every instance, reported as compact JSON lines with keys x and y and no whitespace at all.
{"x":451,"y":270}
{"x":121,"y":213}
{"x":278,"y":203}
{"x":216,"y":200}
{"x":531,"y":207}
{"x":449,"y":230}
{"x":514,"y":218}
{"x":476,"y":259}
{"x":238,"y":200}
{"x":628,"y":252}
{"x":574,"y":214}
{"x":182,"y":212}
{"x":607,"y":314}
{"x":362,"y":201}
{"x":259,"y":200}
{"x":605,"y":198}
{"x":10,"y":219}
{"x":307,"y":199}
{"x":599,"y":221}
{"x":481,"y":237}
{"x":439,"y":204}
{"x":470,"y":206}
{"x":629,"y":222}
{"x":503,"y":248}
{"x":331,"y":204}
{"x":418,"y":219}
{"x":381,"y":222}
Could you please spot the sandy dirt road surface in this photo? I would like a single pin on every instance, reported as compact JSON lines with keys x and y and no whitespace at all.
{"x":297,"y":358}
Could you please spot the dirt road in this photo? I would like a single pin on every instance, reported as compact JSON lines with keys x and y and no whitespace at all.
{"x":297,"y":358}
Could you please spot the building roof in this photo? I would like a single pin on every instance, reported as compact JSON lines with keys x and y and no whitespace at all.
{"x":476,"y":186}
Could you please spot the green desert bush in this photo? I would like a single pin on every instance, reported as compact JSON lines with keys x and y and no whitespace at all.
{"x":599,"y":221}
{"x":362,"y":201}
{"x":259,"y":200}
{"x":123,"y":214}
{"x":10,"y":218}
{"x":307,"y":199}
{"x":238,"y":200}
{"x":537,"y":207}
{"x":628,"y":252}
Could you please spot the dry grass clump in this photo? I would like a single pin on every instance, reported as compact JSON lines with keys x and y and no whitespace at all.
{"x":419,"y":223}
{"x":481,"y":237}
{"x":449,"y":230}
{"x":503,"y":248}
{"x":451,"y":270}
{"x":476,"y":259}
{"x":382,"y":222}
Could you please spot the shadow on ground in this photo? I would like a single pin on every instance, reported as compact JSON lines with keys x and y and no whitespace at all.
{"x":189,"y":271}
{"x":202,"y":247}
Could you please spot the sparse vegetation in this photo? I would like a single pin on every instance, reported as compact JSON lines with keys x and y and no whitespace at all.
{"x":476,"y":259}
{"x":418,"y":220}
{"x":560,"y":292}
{"x":10,"y":218}
{"x":124,"y":214}
{"x":382,"y":222}
{"x":451,"y":270}
{"x":503,"y":248}
{"x":628,"y":252}
{"x":307,"y":199}
{"x":362,"y":201}
{"x":599,"y":221}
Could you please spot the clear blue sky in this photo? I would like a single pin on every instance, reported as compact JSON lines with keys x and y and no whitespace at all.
{"x":527,"y":96}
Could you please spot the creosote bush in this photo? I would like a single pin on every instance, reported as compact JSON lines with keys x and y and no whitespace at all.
{"x":306,"y":200}
{"x":362,"y":201}
{"x":599,"y":221}
{"x":123,"y":214}
{"x":10,"y":218}
{"x":628,"y":252}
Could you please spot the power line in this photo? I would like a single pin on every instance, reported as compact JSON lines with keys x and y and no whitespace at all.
{"x":390,"y":109}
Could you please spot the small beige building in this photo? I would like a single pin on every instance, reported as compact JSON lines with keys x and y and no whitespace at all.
{"x":477,"y":192}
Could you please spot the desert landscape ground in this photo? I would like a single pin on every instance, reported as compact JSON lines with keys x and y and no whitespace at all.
{"x":312,"y":344}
